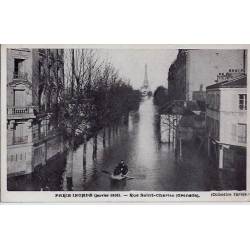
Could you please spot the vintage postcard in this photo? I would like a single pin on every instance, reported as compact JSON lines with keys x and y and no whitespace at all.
{"x":124,"y":123}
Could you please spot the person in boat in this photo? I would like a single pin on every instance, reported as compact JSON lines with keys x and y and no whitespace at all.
{"x":121,"y":169}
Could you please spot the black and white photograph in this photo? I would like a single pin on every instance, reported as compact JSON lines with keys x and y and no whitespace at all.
{"x":121,"y":119}
{"x":124,"y":124}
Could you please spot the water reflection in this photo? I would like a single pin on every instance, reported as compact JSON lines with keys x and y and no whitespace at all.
{"x":146,"y":143}
{"x":137,"y":144}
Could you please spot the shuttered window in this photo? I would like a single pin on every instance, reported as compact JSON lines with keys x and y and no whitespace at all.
{"x":242,"y":101}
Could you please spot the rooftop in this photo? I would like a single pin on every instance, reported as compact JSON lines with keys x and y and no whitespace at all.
{"x":239,"y":82}
{"x":181,"y":107}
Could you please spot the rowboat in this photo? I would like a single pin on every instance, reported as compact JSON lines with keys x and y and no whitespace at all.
{"x":118,"y":177}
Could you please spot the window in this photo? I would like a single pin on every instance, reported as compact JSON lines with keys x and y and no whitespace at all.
{"x":39,"y":129}
{"x":242,"y":133}
{"x":216,"y":101}
{"x":19,"y":98}
{"x":18,"y":67}
{"x":242,"y":101}
{"x":20,"y":135}
{"x":216,"y":129}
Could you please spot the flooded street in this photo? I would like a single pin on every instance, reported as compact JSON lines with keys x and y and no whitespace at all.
{"x":152,"y":165}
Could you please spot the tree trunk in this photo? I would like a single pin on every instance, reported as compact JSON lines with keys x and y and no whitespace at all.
{"x":84,"y":151}
{"x":104,"y":138}
{"x":126,"y":118}
{"x":169,"y":129}
{"x":116,"y":129}
{"x":69,"y":165}
{"x":94,"y":146}
{"x":180,"y":149}
{"x":84,"y":159}
{"x":109,"y":134}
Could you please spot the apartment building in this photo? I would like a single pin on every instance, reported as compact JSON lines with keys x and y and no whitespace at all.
{"x":226,"y":121}
{"x":195,"y":69}
{"x":34,"y":80}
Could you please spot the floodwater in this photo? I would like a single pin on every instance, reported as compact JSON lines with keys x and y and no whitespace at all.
{"x":152,"y":165}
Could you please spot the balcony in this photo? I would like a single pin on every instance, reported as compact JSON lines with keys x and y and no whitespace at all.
{"x":20,"y":140}
{"x":22,"y":112}
{"x":20,"y":76}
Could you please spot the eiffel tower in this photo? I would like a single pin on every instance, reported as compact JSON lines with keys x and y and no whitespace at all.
{"x":145,"y":86}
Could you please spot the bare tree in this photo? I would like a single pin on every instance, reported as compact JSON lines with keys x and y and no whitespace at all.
{"x":94,"y":98}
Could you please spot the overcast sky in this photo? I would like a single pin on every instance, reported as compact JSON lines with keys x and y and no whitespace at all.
{"x":131,"y":63}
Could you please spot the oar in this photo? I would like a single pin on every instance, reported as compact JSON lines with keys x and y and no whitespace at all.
{"x":138,"y":176}
{"x":128,"y":177}
{"x":106,"y":172}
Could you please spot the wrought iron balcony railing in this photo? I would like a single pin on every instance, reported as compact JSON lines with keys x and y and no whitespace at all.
{"x":20,"y":140}
{"x":21,"y":110}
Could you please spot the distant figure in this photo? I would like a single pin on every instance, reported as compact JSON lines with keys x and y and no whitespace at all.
{"x":121,"y":169}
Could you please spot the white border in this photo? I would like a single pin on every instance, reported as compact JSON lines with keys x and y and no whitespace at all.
{"x":26,"y":196}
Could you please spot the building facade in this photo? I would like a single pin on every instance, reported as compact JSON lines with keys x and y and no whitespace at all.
{"x":195,"y":69}
{"x":177,"y":74}
{"x":34,"y":82}
{"x":226,"y":122}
